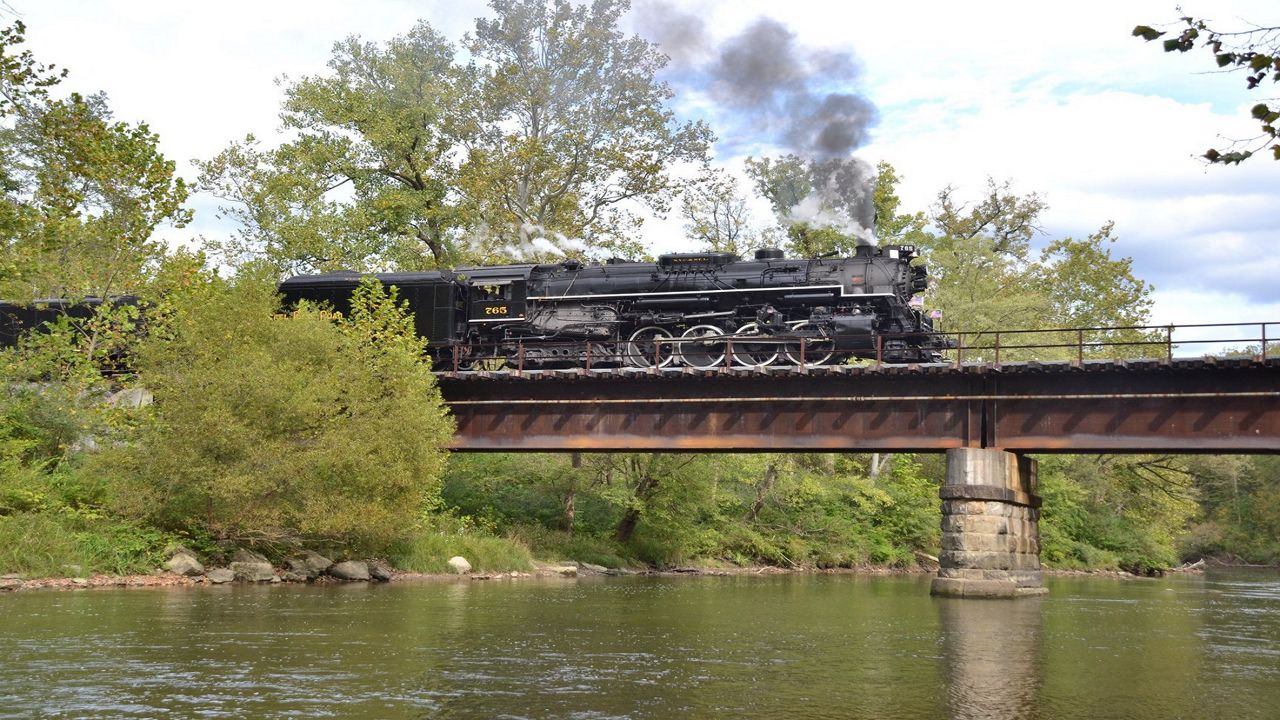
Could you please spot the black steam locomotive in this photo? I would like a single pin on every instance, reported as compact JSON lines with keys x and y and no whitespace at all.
{"x":700,"y":310}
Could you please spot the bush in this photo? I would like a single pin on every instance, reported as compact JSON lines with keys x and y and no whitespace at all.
{"x":273,"y":430}
{"x":914,"y":519}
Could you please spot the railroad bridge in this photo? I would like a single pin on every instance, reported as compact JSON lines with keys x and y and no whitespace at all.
{"x":985,"y":416}
{"x":1180,"y":405}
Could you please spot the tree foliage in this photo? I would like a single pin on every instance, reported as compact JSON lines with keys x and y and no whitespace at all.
{"x":789,"y":183}
{"x":715,"y":214}
{"x":786,"y":182}
{"x":893,"y":225}
{"x":1115,"y":511}
{"x":788,"y":510}
{"x":985,"y":277}
{"x":978,"y":258}
{"x":368,"y":179}
{"x":1255,"y":52}
{"x":80,"y":193}
{"x":404,"y":157}
{"x":282,"y":429}
{"x":572,"y":125}
{"x":22,"y":79}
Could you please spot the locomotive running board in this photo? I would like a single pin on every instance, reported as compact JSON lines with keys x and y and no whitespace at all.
{"x":788,"y":288}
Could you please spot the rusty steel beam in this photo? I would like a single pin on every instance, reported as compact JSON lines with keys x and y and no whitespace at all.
{"x":1146,"y":407}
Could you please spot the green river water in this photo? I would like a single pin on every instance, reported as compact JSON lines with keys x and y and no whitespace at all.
{"x":793,"y":646}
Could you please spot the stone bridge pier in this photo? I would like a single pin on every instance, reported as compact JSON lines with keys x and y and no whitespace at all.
{"x":990,"y":526}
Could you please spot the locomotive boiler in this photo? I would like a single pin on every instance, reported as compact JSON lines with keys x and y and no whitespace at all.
{"x":701,"y":310}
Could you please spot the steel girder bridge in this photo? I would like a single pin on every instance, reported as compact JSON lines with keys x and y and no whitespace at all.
{"x":1182,"y":405}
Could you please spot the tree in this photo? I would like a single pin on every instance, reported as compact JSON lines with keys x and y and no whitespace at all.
{"x":1256,"y":52}
{"x":978,"y":260}
{"x":894,"y":227}
{"x":819,"y":205}
{"x":22,"y":79}
{"x":715,"y":214}
{"x":1114,"y":511}
{"x":404,"y":157}
{"x":85,"y":196}
{"x":572,"y":126}
{"x":368,"y":182}
{"x":274,"y":429}
{"x":984,"y":278}
{"x":1087,"y":288}
{"x":80,"y":196}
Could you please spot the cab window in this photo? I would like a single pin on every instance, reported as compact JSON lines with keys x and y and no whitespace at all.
{"x":495,"y":292}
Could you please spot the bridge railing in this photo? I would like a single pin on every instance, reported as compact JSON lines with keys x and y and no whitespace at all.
{"x":1257,"y":340}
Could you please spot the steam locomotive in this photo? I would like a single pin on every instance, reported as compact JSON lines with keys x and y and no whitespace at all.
{"x":701,"y":310}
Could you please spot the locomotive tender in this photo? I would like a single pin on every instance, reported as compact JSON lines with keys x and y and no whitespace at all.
{"x":699,"y":310}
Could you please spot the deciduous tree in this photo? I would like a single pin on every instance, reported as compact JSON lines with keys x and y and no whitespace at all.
{"x":369,"y":179}
{"x":404,"y":157}
{"x":715,"y":213}
{"x":1086,"y":287}
{"x":788,"y":182}
{"x":573,"y":127}
{"x":80,"y":193}
{"x":81,"y":196}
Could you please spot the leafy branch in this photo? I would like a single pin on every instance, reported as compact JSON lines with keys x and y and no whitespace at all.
{"x":1256,"y":51}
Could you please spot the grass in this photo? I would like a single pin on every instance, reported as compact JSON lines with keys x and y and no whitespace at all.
{"x":558,"y":545}
{"x":430,"y":551}
{"x":45,"y":545}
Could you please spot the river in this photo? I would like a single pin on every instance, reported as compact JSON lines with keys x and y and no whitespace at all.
{"x":791,"y":646}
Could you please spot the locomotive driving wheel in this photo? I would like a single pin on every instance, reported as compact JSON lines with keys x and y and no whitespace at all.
{"x":816,"y":349}
{"x":750,"y":353}
{"x":645,"y":346}
{"x":701,"y":348}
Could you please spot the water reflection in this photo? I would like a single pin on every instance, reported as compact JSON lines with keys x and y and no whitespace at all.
{"x":991,"y":650}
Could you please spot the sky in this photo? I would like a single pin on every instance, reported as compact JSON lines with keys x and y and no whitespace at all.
{"x":1056,"y":98}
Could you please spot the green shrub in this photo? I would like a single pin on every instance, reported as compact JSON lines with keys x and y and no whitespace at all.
{"x":272,"y":430}
{"x":913,"y":520}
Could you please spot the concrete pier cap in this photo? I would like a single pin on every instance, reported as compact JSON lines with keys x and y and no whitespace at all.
{"x":990,"y":526}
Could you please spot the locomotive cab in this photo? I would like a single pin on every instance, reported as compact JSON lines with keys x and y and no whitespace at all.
{"x":496,"y":295}
{"x":498,"y":300}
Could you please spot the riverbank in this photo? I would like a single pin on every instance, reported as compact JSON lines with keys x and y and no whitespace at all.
{"x":14,"y":582}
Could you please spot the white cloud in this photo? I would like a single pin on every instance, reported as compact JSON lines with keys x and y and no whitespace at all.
{"x":1186,"y":308}
{"x":1114,"y":156}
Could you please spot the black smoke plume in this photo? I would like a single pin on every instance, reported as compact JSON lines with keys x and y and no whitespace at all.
{"x":780,"y":92}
